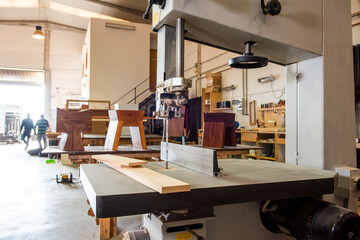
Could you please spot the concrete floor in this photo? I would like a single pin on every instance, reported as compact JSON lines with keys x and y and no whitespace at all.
{"x":34,"y":206}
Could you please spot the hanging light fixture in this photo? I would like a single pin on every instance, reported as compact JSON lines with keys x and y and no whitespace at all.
{"x":38,"y":34}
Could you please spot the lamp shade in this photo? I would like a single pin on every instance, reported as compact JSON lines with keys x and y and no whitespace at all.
{"x":38,"y":34}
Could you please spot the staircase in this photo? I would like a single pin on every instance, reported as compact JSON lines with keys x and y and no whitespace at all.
{"x":140,"y":95}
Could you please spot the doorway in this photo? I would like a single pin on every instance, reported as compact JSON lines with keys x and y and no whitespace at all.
{"x":21,"y":92}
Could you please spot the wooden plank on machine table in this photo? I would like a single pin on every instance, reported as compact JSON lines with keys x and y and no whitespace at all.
{"x":154,"y":180}
{"x":119,"y":161}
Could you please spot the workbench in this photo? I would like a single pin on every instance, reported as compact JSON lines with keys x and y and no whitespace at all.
{"x":99,"y":139}
{"x":112,"y":194}
{"x":262,"y":138}
{"x":69,"y":157}
{"x":227,"y":151}
{"x":129,"y":151}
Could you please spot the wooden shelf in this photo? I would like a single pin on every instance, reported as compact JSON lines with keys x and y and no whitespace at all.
{"x":212,"y":97}
{"x":271,"y":109}
{"x":250,"y":155}
{"x":260,"y":139}
{"x":266,"y":158}
{"x":266,"y":142}
{"x":220,"y":109}
{"x":211,"y":89}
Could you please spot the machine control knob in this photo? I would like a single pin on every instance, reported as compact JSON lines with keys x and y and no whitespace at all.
{"x":272,"y":7}
{"x":358,"y":184}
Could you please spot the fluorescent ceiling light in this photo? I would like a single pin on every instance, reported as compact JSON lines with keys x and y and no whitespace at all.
{"x":79,"y":12}
{"x":120,"y":26}
{"x":19,"y":3}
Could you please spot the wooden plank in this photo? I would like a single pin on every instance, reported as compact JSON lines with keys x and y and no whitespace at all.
{"x":119,"y":161}
{"x":154,"y":180}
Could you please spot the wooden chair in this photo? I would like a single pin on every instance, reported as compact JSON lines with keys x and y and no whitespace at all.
{"x":71,"y":124}
{"x":219,"y":130}
{"x":123,"y":118}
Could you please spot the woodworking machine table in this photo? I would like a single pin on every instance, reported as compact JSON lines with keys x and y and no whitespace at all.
{"x":93,"y":150}
{"x":113,"y":194}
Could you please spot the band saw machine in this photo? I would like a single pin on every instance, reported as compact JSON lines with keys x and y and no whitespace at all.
{"x":232,"y":198}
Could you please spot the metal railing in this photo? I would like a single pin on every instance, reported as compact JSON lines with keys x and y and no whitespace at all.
{"x":134,"y":91}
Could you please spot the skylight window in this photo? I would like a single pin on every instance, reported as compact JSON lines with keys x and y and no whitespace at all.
{"x":19,"y":3}
{"x":79,"y":12}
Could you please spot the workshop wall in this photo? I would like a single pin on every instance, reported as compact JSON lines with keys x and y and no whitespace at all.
{"x":65,"y":65}
{"x":19,"y":50}
{"x":355,"y":7}
{"x":216,"y":60}
{"x":119,"y":60}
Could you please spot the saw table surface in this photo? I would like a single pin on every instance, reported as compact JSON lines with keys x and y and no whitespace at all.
{"x":113,"y":194}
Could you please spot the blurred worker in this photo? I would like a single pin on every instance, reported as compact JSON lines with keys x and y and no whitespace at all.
{"x":28,"y":125}
{"x":42,"y":125}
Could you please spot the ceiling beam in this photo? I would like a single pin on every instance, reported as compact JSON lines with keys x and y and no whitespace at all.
{"x":137,"y":13}
{"x":37,"y":22}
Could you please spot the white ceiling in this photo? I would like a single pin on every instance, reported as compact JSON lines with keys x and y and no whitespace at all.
{"x":70,"y":12}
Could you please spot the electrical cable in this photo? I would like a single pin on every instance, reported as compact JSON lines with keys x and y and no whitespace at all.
{"x":273,"y":92}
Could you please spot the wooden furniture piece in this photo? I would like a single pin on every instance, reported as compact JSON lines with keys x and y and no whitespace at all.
{"x":71,"y":124}
{"x":100,"y":121}
{"x":210,"y":96}
{"x":219,"y":130}
{"x":99,"y":139}
{"x":100,"y":117}
{"x":122,"y":118}
{"x":271,"y":117}
{"x":269,"y":141}
{"x":176,"y":125}
{"x":68,"y":101}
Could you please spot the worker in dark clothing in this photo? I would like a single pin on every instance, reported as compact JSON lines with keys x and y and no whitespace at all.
{"x":28,"y":125}
{"x":42,"y":125}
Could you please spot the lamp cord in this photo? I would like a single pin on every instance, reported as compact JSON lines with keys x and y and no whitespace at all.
{"x":39,"y":12}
